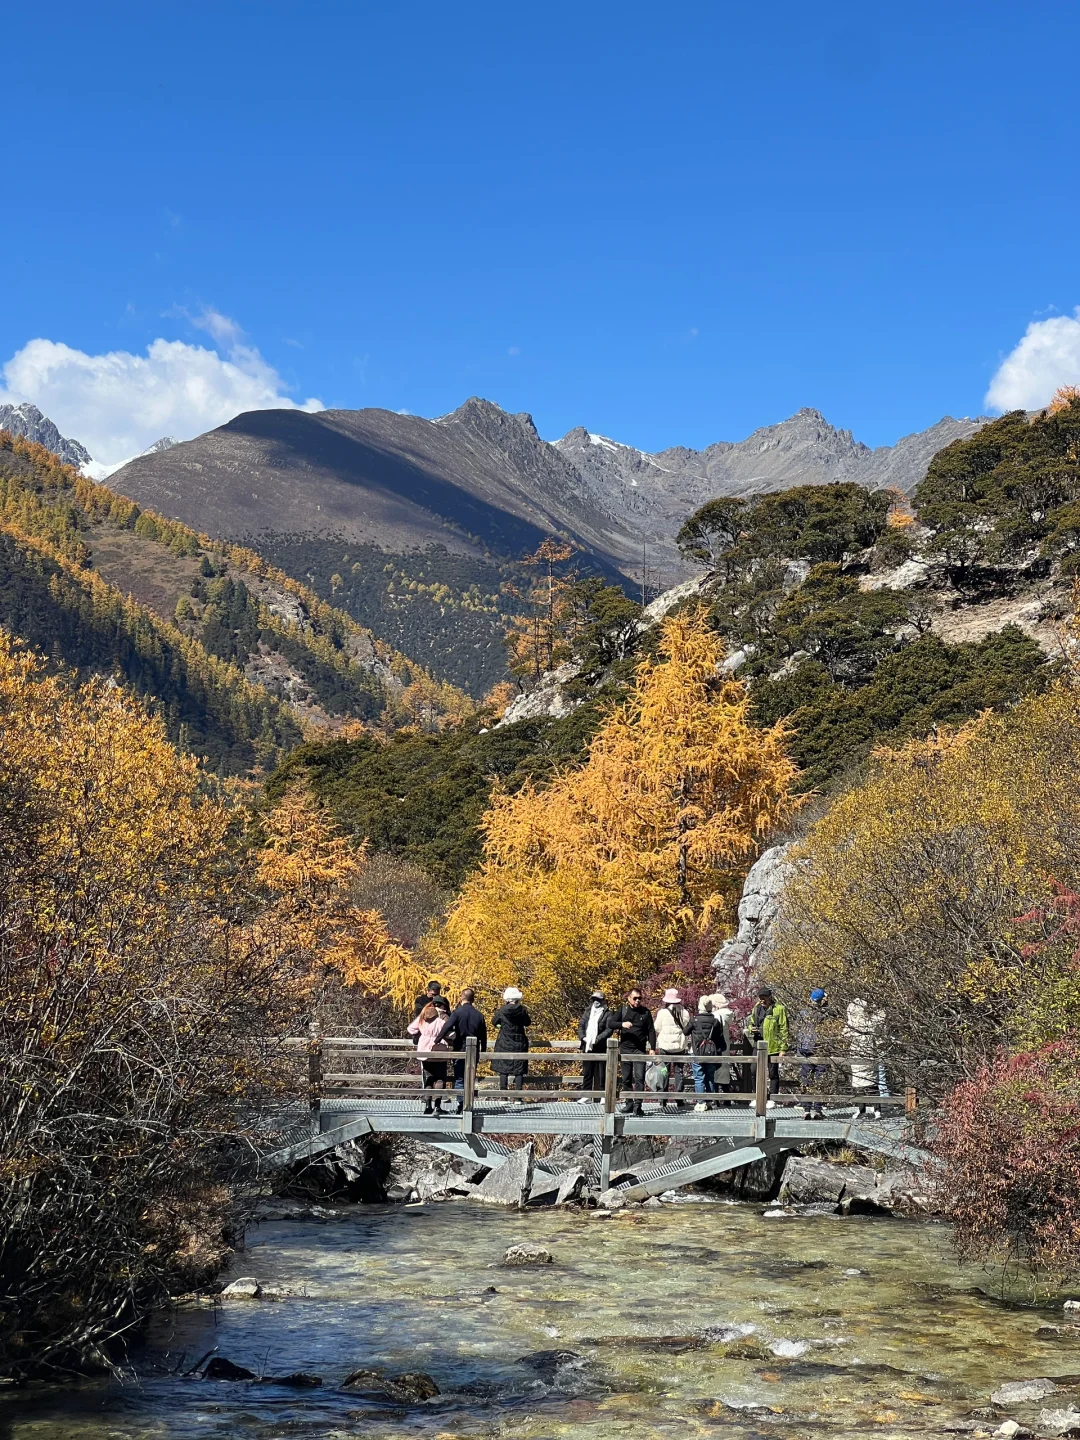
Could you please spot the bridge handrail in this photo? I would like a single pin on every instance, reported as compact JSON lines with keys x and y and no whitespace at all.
{"x":610,"y":1058}
{"x":405,"y":1049}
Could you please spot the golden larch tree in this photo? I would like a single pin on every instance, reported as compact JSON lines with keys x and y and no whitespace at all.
{"x":594,"y":878}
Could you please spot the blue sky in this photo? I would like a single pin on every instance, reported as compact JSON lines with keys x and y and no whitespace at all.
{"x":671,"y":224}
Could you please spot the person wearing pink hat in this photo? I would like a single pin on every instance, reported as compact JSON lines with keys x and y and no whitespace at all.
{"x":672,"y":1038}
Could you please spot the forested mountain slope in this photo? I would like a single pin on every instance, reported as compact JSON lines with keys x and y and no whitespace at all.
{"x":238,"y":657}
{"x":854,"y":619}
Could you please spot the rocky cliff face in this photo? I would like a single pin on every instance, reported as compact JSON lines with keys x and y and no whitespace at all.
{"x":31,"y":424}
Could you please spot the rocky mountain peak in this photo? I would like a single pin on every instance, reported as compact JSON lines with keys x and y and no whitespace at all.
{"x":488,"y":419}
{"x":28,"y":421}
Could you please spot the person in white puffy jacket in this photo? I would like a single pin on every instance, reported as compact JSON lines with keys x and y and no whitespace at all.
{"x":673,"y":1037}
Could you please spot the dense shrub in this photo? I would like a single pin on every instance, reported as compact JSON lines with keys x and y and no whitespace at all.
{"x":1009,"y":1137}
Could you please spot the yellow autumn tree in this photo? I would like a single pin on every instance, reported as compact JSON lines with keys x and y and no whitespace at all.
{"x":139,"y":1018}
{"x":309,"y":871}
{"x":1063,"y":397}
{"x":594,"y":878}
{"x":541,"y":638}
{"x":908,"y":892}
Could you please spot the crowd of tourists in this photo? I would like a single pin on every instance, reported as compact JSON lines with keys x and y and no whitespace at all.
{"x":672,"y":1055}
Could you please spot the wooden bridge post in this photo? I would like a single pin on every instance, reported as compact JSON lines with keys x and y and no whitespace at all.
{"x":315,"y":1073}
{"x":468,"y":1095}
{"x":761,"y":1078}
{"x":607,"y":1140}
{"x":911,"y":1101}
{"x":611,"y":1075}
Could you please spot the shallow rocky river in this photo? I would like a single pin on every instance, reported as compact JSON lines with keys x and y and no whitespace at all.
{"x":691,"y":1318}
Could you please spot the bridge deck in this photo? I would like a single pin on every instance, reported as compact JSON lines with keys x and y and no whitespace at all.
{"x":300,"y":1134}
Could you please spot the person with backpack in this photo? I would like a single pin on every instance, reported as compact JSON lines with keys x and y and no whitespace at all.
{"x":672,"y":1027}
{"x":769,"y":1022}
{"x":706,"y":1038}
{"x":808,"y":1042}
{"x":511,"y":1020}
{"x":633,"y":1024}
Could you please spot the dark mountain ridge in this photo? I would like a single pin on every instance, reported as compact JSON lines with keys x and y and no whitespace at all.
{"x":482,"y":480}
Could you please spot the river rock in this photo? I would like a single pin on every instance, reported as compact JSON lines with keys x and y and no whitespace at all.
{"x":1060,"y":1422}
{"x":1016,"y":1392}
{"x":1009,"y":1430}
{"x":854,"y":1189}
{"x":571,"y":1185}
{"x":221,"y":1369}
{"x":245,"y":1288}
{"x":544,"y":1187}
{"x":408,"y":1388}
{"x":612,"y":1200}
{"x":527,"y":1254}
{"x":510,"y":1182}
{"x":402,"y":1194}
{"x":298,"y":1380}
{"x":548,"y":1363}
{"x":427,"y":1173}
{"x":1071,"y":1305}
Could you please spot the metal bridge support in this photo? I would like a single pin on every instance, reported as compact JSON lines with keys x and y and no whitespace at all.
{"x":710,"y":1160}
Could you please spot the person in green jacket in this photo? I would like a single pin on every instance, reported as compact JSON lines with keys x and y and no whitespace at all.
{"x":769,"y":1022}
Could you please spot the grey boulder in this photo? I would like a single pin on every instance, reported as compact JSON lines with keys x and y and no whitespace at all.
{"x":510,"y":1182}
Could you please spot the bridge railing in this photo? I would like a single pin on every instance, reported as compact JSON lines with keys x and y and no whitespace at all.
{"x":324,"y":1080}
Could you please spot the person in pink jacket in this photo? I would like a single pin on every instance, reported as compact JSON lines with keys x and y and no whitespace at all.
{"x":426,"y":1028}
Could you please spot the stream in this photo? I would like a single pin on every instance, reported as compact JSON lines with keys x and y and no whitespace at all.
{"x":696,"y":1317}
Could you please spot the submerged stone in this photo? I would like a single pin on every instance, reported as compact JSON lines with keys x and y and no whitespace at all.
{"x":221,"y":1369}
{"x":528,"y":1254}
{"x":1015,"y":1392}
{"x":410,"y":1387}
{"x":1060,"y":1422}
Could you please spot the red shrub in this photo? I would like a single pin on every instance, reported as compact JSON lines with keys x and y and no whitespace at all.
{"x":1010,"y":1140}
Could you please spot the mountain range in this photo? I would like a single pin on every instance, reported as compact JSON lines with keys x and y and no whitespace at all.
{"x":481,"y":480}
{"x":28,"y":422}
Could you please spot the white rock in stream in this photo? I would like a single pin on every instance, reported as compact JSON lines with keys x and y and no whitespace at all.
{"x":244,"y":1288}
{"x":789,"y":1349}
{"x":1060,"y":1422}
{"x":527,"y":1254}
{"x":1015,"y":1392}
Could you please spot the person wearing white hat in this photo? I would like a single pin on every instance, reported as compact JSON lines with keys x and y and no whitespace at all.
{"x":511,"y":1020}
{"x":672,"y":1038}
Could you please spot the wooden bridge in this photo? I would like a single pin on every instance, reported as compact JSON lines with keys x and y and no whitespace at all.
{"x":345,"y":1104}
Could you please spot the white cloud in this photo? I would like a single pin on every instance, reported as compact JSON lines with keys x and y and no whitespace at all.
{"x":1048,"y":356}
{"x":119,"y":403}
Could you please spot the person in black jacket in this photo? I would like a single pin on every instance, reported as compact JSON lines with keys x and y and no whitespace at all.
{"x":590,"y":1031}
{"x":706,"y":1038}
{"x":466,"y":1020}
{"x":434,"y":988}
{"x":512,"y":1021}
{"x":633,"y":1024}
